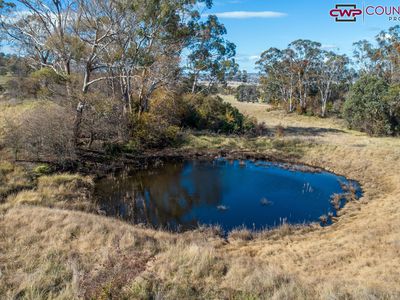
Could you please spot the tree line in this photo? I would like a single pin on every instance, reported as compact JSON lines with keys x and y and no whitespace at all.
{"x":104,"y":61}
{"x":308,"y":79}
{"x":302,"y":71}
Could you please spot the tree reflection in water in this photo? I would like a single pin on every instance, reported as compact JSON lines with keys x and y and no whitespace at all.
{"x":161,"y":197}
{"x":229,"y":193}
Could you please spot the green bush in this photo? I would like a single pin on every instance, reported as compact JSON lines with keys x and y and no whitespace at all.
{"x":23,"y":87}
{"x":42,"y":170}
{"x":161,"y":126}
{"x":151,"y":131}
{"x":392,"y":98}
{"x":47,"y":76}
{"x":212,"y":113}
{"x":366,"y":109}
{"x":3,"y":71}
{"x":247,"y":93}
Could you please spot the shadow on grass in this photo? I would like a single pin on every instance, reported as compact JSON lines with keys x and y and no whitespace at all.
{"x":310,"y":131}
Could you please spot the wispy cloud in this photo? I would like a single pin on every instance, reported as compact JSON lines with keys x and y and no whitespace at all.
{"x":249,"y":14}
{"x":247,"y":57}
{"x":329,"y":47}
{"x":254,"y":57}
{"x":226,"y":2}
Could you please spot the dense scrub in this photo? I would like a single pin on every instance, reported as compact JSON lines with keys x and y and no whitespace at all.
{"x":43,"y":130}
{"x":248,"y":93}
{"x":373,"y":106}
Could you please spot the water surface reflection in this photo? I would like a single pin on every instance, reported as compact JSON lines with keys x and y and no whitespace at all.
{"x":228,"y":193}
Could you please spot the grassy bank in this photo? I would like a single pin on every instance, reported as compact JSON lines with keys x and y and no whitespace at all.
{"x":13,"y":179}
{"x":54,"y":252}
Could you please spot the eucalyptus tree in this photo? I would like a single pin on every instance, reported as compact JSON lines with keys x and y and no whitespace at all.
{"x":95,"y":29}
{"x":388,"y":54}
{"x":42,"y":29}
{"x":331,"y":70}
{"x":364,"y":54}
{"x":161,"y":37}
{"x":381,"y":58}
{"x":211,"y":56}
{"x":278,"y":75}
{"x":245,"y":76}
{"x":305,"y":58}
{"x":133,"y":46}
{"x":303,"y":69}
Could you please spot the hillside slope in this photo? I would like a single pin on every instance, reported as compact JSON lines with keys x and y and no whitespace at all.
{"x":52,"y":253}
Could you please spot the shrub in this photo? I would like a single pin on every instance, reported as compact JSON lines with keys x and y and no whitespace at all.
{"x":161,"y":126}
{"x":202,"y":112}
{"x":42,"y":170}
{"x":47,"y":81}
{"x":392,"y":98}
{"x":365,"y":108}
{"x":280,"y":131}
{"x":211,"y":113}
{"x":253,"y":128}
{"x":152,"y":131}
{"x":43,"y":132}
{"x":3,"y":71}
{"x":168,"y":106}
{"x":247,"y":93}
{"x":102,"y":121}
{"x":23,"y":87}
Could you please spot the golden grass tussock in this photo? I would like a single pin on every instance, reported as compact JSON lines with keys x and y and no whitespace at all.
{"x":12,"y":179}
{"x":64,"y":190}
{"x":241,"y":234}
{"x":53,"y":253}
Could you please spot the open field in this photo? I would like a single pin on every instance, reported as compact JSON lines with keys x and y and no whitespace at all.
{"x":53,"y":253}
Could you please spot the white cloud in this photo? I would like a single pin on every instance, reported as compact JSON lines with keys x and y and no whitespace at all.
{"x":329,"y":47}
{"x":247,"y":58}
{"x":249,"y":14}
{"x":254,"y":57}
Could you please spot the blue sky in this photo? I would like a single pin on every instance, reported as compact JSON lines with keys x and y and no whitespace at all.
{"x":256,"y":25}
{"x":276,"y":23}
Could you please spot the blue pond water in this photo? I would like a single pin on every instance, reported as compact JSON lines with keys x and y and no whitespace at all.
{"x":228,"y":193}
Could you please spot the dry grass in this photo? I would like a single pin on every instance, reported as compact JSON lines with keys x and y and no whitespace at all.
{"x":11,"y":111}
{"x":52,"y":253}
{"x":69,"y":191}
{"x":289,"y":148}
{"x":12,"y":179}
{"x":240,"y":234}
